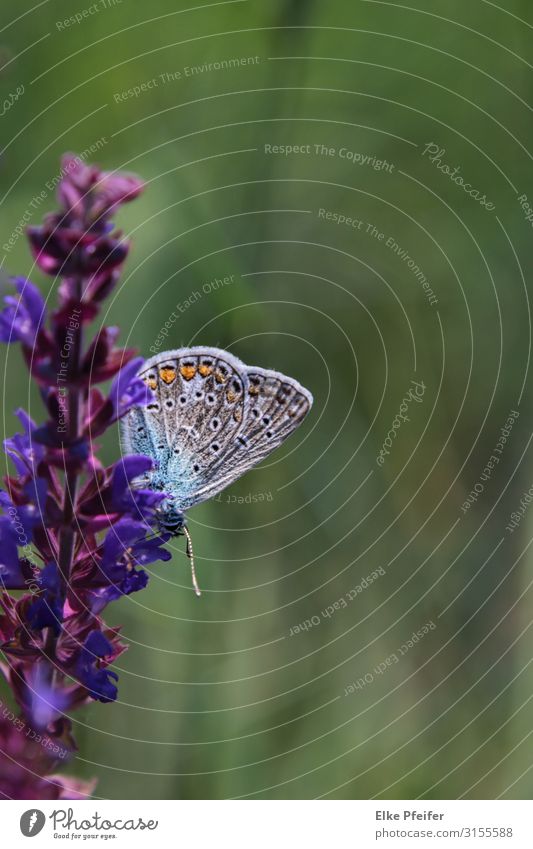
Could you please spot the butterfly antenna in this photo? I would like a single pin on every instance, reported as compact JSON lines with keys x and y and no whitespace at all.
{"x":190,"y":555}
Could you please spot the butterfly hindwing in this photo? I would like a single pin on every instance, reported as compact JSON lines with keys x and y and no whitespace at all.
{"x":275,"y":407}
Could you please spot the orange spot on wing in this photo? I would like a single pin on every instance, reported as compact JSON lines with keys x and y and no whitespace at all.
{"x":205,"y":371}
{"x":167,"y":375}
{"x":219,"y":377}
{"x":151,"y":382}
{"x":188,"y":372}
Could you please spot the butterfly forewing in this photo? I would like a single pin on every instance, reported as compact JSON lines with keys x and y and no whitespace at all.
{"x":211,"y":419}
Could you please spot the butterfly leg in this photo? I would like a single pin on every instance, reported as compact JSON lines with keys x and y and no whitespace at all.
{"x":190,"y":555}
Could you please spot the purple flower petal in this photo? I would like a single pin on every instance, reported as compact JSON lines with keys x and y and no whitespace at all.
{"x":10,"y":569}
{"x":24,"y":516}
{"x":125,"y":498}
{"x":86,"y":192}
{"x":22,"y":317}
{"x":128,"y":390}
{"x":98,"y":681}
{"x":23,"y":449}
{"x":126,"y":470}
{"x":47,"y":703}
{"x":113,"y":190}
{"x":126,"y":546}
{"x":46,"y":611}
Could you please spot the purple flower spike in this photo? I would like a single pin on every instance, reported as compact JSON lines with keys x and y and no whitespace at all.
{"x":74,"y":534}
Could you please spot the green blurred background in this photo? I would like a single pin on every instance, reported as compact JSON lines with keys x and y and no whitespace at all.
{"x":217,"y":699}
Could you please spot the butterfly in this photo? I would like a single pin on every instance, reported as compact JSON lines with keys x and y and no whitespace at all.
{"x":210,"y":420}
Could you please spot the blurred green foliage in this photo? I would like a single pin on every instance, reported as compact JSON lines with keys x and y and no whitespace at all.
{"x":217,"y":699}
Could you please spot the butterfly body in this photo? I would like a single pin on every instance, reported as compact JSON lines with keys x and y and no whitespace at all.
{"x":210,"y":420}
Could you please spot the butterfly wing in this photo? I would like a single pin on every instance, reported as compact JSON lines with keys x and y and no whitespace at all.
{"x":211,"y":419}
{"x":274,"y":407}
